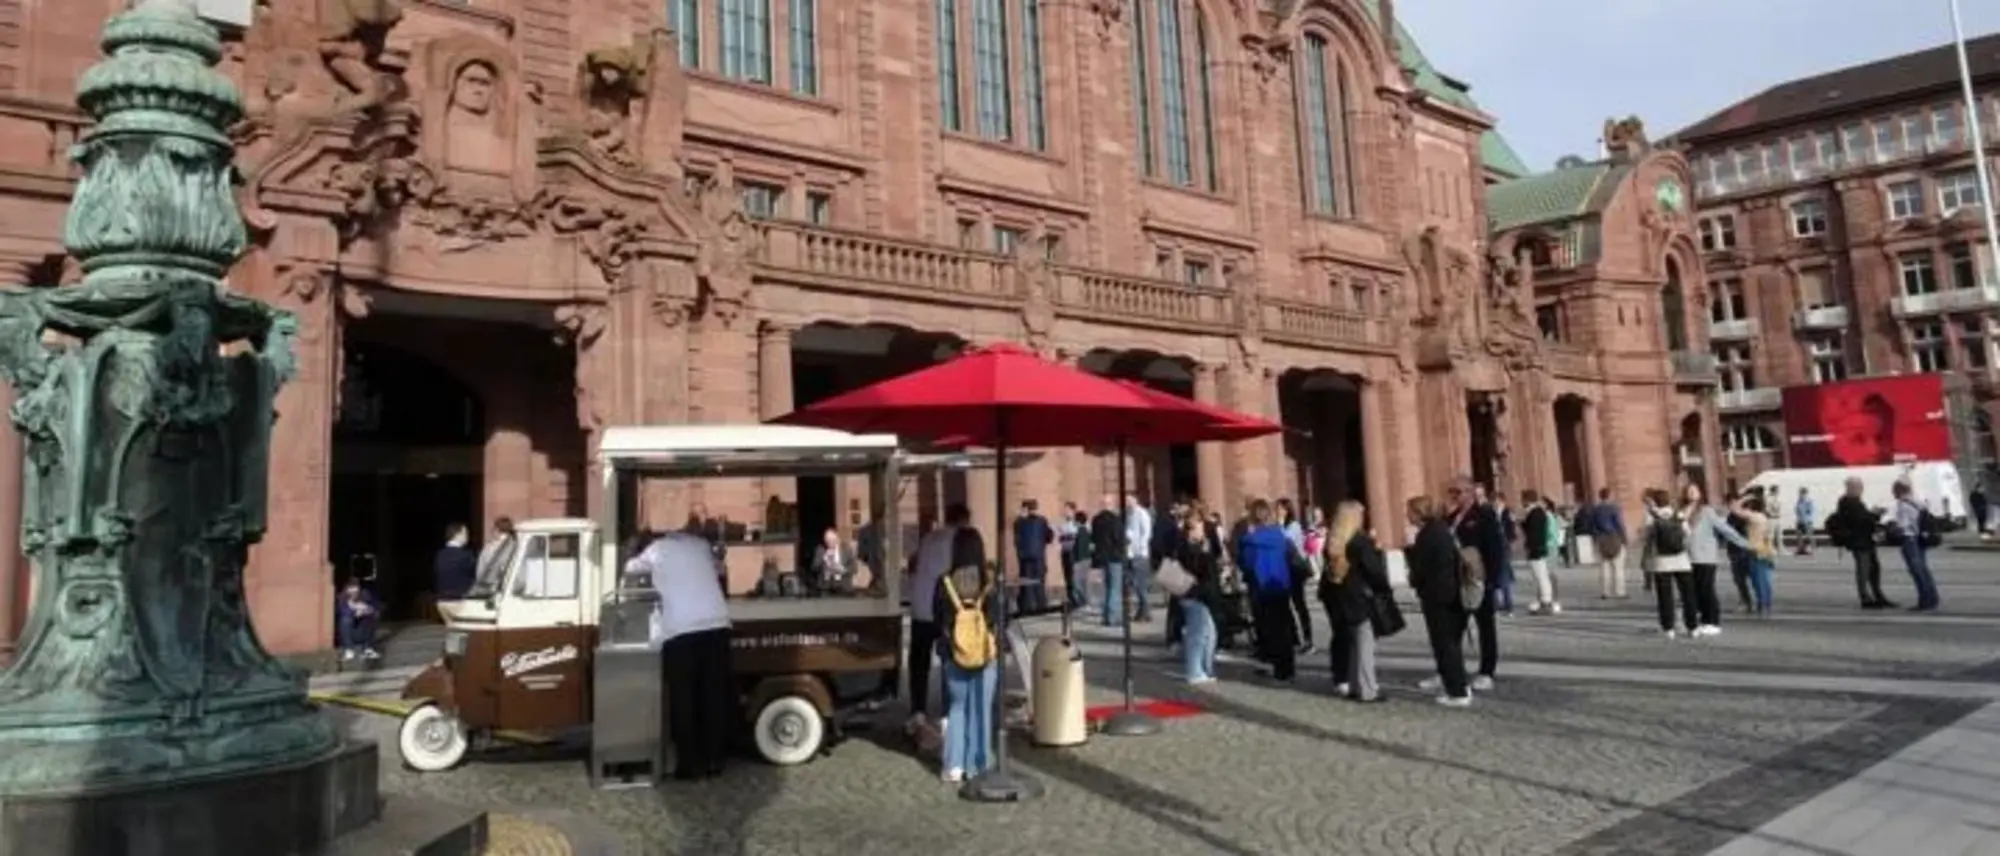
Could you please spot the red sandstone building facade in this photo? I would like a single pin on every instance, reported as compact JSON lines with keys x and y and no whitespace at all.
{"x":505,"y":224}
{"x":1839,"y":219}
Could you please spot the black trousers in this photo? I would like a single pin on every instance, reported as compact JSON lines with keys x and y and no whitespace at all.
{"x":1707,"y":606}
{"x":1445,"y":623}
{"x":1739,"y":573}
{"x":1273,"y":614}
{"x":700,"y":701}
{"x":1342,"y":645}
{"x":1868,"y":576}
{"x":1665,"y":586}
{"x":1176,"y":621}
{"x":923,"y":649}
{"x":1301,"y":611}
{"x":1488,"y":627}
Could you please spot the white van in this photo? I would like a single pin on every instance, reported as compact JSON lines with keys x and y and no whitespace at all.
{"x":1934,"y":483}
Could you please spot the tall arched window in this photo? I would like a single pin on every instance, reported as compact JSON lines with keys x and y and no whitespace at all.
{"x":1173,"y":93}
{"x":989,"y":52}
{"x":1326,"y":109}
{"x":735,"y":38}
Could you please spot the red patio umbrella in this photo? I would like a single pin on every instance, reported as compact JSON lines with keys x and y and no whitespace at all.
{"x":1002,"y":397}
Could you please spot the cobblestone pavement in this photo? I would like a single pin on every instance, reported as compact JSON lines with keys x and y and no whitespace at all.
{"x":1577,"y":768}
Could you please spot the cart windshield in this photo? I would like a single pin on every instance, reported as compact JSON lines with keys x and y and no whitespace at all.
{"x":493,"y":564}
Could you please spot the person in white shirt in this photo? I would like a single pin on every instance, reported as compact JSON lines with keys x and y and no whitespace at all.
{"x":933,"y":559}
{"x":1138,"y":556}
{"x":691,"y":626}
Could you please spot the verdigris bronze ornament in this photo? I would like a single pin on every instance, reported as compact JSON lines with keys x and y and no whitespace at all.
{"x":147,"y":442}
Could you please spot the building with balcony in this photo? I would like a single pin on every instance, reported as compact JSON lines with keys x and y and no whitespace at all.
{"x":506,"y":224}
{"x":1839,"y":219}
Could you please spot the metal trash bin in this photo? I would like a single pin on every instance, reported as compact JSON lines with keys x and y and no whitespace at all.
{"x":627,"y":749}
{"x":1057,"y":694}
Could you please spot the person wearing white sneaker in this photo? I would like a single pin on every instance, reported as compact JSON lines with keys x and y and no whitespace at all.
{"x":1663,"y":556}
{"x":1708,"y":528}
{"x":356,"y":614}
{"x":1433,"y":561}
{"x":1542,"y":536}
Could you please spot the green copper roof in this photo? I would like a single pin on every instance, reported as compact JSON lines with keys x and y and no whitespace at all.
{"x":1560,"y":194}
{"x":1493,"y":148}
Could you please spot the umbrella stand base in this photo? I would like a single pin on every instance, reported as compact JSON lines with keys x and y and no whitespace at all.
{"x":1130,"y":723}
{"x":1001,"y":785}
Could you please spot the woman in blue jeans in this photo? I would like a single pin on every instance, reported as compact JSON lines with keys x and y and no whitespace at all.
{"x":1198,"y":605}
{"x":969,"y":688}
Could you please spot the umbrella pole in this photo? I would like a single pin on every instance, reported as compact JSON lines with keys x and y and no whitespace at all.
{"x":1130,"y":722}
{"x":1000,"y":783}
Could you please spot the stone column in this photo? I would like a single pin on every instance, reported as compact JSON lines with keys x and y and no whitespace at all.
{"x":774,"y":399}
{"x":1279,"y":477}
{"x":1595,"y":477}
{"x":1210,"y":469}
{"x":13,"y":567}
{"x":1385,"y":511}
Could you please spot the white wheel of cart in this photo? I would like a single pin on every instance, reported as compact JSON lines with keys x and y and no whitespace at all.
{"x":789,"y":731}
{"x":431,"y":740}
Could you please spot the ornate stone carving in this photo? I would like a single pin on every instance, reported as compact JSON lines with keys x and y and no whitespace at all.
{"x":1625,"y":138}
{"x":148,"y":449}
{"x":1512,"y":334}
{"x":610,"y":233}
{"x":1037,"y":283}
{"x":1248,"y":292}
{"x":581,"y":326}
{"x":671,"y":293}
{"x":1267,"y":57}
{"x":479,"y":128}
{"x":1443,"y":275}
{"x":729,"y":248}
{"x":1108,"y":14}
{"x":353,"y":36}
{"x":617,"y":91}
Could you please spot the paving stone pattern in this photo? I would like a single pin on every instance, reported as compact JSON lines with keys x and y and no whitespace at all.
{"x":1538,"y":767}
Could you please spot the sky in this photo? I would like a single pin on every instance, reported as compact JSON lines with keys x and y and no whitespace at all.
{"x":1553,"y":70}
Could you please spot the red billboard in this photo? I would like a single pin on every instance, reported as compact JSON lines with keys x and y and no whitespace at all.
{"x":1861,"y":423}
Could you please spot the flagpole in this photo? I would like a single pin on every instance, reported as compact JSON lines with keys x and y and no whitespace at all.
{"x":1978,"y":123}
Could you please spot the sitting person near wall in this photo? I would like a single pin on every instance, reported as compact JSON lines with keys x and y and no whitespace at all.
{"x":356,"y":616}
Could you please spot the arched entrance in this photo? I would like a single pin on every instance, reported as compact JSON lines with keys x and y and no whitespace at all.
{"x":1157,"y":475}
{"x":1321,"y":412}
{"x":829,"y":359}
{"x":1673,"y":308}
{"x":1570,"y":412}
{"x":408,"y":441}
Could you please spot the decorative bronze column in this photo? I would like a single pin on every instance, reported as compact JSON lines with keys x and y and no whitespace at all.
{"x":147,"y":454}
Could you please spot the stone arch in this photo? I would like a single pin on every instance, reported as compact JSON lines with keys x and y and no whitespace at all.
{"x":1675,"y":298}
{"x":1350,"y":73}
{"x":1155,"y":474}
{"x":1353,"y":27}
{"x":1569,"y":412}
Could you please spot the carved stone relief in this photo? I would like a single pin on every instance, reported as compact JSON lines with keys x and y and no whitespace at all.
{"x":729,"y":247}
{"x":581,"y":326}
{"x":633,"y":98}
{"x":480,"y":125}
{"x":1037,"y":289}
{"x":352,"y":41}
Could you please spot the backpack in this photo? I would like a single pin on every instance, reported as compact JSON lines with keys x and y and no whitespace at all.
{"x":1670,"y":535}
{"x":1930,"y":530}
{"x":972,"y":644}
{"x":1554,"y":528}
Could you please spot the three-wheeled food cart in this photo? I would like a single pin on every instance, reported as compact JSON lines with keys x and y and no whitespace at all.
{"x":552,"y":637}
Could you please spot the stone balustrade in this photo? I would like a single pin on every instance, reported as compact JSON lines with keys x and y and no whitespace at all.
{"x":868,"y":262}
{"x":1119,"y":298}
{"x":1325,"y":326}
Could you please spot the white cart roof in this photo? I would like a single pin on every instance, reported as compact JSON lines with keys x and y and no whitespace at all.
{"x":683,"y":442}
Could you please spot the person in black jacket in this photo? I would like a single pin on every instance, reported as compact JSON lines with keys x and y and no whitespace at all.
{"x":1433,"y":561}
{"x":1537,"y":533}
{"x":1351,"y":589}
{"x":1107,"y":552}
{"x":1852,"y":528}
{"x":1199,"y":638}
{"x":1477,"y":524}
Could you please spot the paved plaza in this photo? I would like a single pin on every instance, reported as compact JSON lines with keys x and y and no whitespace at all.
{"x":1824,"y":730}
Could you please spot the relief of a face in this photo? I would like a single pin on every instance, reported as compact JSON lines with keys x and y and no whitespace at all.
{"x":473,"y":92}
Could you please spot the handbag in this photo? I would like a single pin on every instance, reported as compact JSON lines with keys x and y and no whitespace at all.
{"x":1471,"y":578}
{"x":1386,"y":618}
{"x":1174,"y":578}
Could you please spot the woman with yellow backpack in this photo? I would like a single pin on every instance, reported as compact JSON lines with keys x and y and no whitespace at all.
{"x":971,"y":656}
